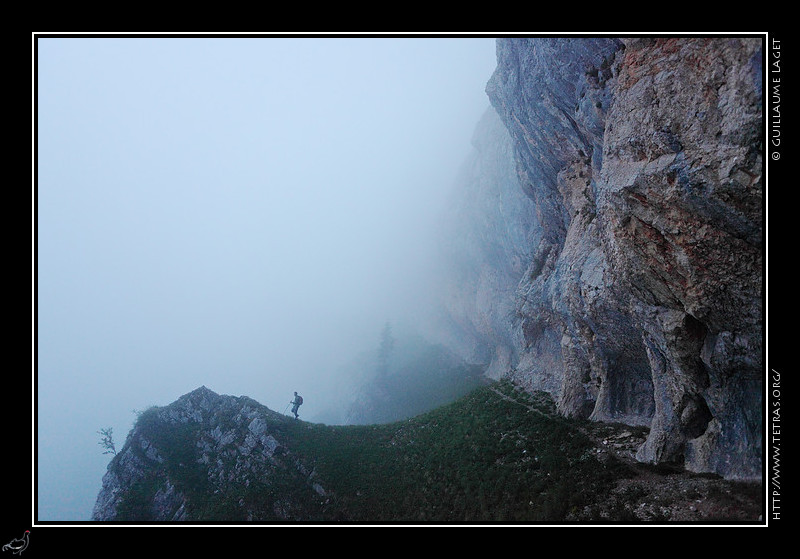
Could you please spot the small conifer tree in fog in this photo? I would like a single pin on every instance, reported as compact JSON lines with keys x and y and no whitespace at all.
{"x":385,"y":350}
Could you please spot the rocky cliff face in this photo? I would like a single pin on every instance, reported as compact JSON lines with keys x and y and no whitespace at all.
{"x":486,"y":233}
{"x":637,"y":259}
{"x":208,"y":456}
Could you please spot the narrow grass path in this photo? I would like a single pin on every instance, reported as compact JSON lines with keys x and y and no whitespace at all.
{"x":651,"y":493}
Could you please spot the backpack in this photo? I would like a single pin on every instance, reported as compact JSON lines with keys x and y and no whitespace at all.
{"x":299,"y":400}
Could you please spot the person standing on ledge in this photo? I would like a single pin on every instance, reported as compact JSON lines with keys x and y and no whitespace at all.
{"x":296,"y":403}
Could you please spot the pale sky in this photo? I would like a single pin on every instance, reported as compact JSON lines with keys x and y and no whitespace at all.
{"x":243,"y":214}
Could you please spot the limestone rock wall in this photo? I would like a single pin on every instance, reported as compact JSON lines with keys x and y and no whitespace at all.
{"x":486,"y":236}
{"x":641,"y":299}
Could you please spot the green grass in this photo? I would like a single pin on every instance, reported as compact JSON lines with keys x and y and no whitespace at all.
{"x":495,"y":455}
{"x":483,"y":458}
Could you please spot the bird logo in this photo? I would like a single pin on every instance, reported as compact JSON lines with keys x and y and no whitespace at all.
{"x":18,"y":545}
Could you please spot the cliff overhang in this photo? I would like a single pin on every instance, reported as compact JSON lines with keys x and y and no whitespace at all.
{"x":643,"y":297}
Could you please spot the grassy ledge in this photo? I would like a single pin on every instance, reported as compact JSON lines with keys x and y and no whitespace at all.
{"x":495,"y":455}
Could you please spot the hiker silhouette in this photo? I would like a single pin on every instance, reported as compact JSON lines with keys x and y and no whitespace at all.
{"x":296,"y":403}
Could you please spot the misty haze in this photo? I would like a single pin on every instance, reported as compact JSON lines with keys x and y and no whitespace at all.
{"x":513,"y":280}
{"x":241,"y":214}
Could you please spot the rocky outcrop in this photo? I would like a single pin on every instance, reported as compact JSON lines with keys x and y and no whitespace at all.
{"x":641,"y":295}
{"x":209,"y":456}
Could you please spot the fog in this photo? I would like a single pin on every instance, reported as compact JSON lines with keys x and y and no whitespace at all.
{"x":244,"y":214}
